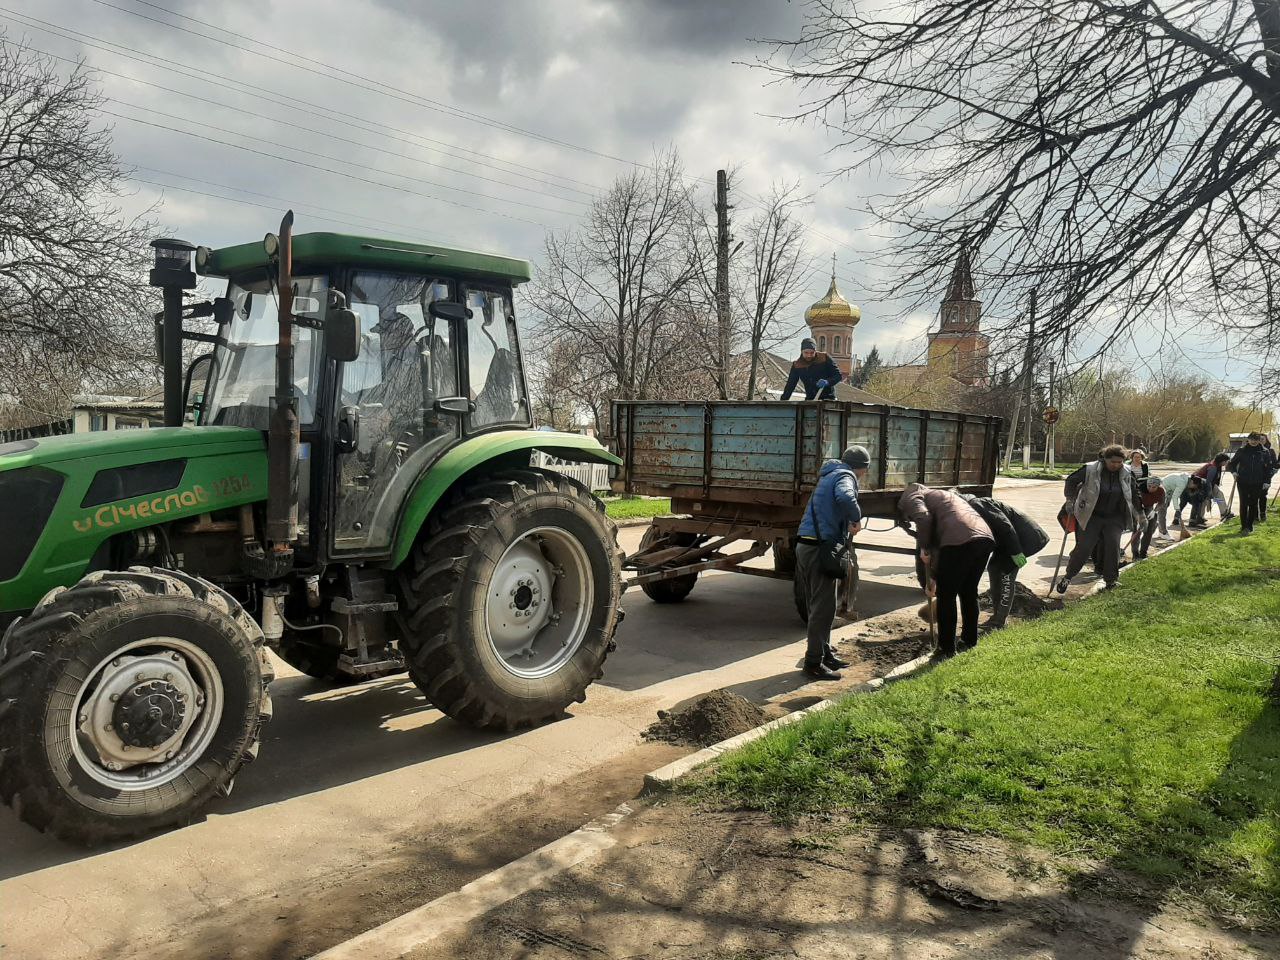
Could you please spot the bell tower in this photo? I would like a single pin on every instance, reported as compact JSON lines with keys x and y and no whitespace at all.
{"x":958,"y":347}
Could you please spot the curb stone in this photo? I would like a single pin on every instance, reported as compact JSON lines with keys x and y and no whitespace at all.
{"x":408,"y":932}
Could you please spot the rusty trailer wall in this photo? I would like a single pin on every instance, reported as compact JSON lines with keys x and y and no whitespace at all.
{"x":769,"y":453}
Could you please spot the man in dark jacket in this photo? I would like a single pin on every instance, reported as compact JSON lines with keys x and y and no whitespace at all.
{"x":832,"y":514}
{"x":1252,"y":468}
{"x":1017,"y":537}
{"x":817,"y":371}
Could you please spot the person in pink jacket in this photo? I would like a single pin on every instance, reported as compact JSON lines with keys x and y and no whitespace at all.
{"x":955,"y":544}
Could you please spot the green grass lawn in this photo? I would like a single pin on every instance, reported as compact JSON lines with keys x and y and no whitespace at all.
{"x":630,"y":508}
{"x":1133,"y":728}
{"x":1059,"y":471}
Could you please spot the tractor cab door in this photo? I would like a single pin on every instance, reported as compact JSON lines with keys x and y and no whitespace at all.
{"x":386,"y":406}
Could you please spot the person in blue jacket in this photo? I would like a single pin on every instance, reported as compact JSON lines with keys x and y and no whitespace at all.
{"x":817,"y":371}
{"x":832,"y":514}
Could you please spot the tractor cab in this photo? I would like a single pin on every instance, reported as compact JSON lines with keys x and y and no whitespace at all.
{"x":436,"y":360}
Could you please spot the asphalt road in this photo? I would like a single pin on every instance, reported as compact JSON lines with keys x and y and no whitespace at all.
{"x":364,"y":797}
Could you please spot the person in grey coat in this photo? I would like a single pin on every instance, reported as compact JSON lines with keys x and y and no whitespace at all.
{"x":832,"y":514}
{"x":1103,"y":497}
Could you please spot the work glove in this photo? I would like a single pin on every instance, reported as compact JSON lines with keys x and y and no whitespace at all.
{"x":1020,"y":559}
{"x":822,"y":384}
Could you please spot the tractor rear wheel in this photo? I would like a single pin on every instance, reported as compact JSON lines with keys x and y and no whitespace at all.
{"x":511,"y":599}
{"x":127,"y":702}
{"x":675,"y":589}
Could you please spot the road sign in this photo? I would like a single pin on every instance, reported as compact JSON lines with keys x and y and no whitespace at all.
{"x":1050,"y":415}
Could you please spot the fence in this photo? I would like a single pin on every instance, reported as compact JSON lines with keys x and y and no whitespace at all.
{"x":595,"y":476}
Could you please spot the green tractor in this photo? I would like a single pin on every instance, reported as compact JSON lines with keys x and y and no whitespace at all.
{"x":354,"y":491}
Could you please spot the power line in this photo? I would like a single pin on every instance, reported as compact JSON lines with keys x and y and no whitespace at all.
{"x":340,"y":216}
{"x":204,"y":79}
{"x":313,"y":166}
{"x":388,"y":89}
{"x":322,"y":156}
{"x":322,"y":133}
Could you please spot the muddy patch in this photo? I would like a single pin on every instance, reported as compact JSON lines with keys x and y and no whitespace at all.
{"x":716,"y":716}
{"x":1026,"y":604}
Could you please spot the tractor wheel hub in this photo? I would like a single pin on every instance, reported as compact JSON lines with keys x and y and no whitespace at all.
{"x":149,"y":713}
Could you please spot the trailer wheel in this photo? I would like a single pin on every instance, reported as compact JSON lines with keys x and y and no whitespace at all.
{"x":677,"y":588}
{"x":512,"y":599}
{"x":129,"y":700}
{"x":784,"y":555}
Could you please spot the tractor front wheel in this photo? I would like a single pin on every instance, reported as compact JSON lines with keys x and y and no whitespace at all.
{"x":511,"y":600}
{"x":128,"y":701}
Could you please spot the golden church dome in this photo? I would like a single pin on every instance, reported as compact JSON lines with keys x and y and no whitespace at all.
{"x":833,"y":310}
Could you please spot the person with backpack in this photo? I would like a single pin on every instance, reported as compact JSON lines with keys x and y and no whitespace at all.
{"x":1016,"y":537}
{"x":1253,"y":468}
{"x":954,"y":544}
{"x":1103,"y":498}
{"x":831,"y":519}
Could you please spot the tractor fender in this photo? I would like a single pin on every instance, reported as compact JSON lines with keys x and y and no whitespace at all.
{"x":471,"y":455}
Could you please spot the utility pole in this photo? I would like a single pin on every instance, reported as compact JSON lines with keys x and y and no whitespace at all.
{"x":722,"y":280}
{"x":1028,"y":373}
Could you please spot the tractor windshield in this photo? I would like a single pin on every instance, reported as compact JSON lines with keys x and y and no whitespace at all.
{"x":243,"y":379}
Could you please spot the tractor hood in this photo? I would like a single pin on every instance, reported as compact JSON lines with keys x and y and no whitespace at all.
{"x":63,"y":498}
{"x":161,"y":441}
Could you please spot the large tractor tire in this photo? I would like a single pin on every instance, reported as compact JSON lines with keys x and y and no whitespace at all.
{"x":676,"y":588}
{"x":511,"y":599}
{"x":127,"y":702}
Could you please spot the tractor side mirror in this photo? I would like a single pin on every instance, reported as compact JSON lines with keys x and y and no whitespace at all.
{"x":342,"y":334}
{"x":449,"y":310}
{"x":347,"y":439}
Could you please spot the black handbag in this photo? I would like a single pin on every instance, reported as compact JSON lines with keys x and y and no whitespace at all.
{"x":832,"y":554}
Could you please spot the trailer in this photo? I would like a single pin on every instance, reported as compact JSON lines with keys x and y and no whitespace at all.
{"x":739,"y":475}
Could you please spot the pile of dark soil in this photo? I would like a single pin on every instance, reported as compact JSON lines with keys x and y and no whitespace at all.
{"x":716,"y":716}
{"x":1026,"y":604}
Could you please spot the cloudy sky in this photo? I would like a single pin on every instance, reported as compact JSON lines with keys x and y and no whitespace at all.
{"x":482,"y":124}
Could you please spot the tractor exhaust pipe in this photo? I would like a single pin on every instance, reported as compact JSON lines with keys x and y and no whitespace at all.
{"x":172,"y":273}
{"x":282,"y":437}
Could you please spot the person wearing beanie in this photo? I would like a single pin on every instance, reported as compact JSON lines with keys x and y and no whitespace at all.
{"x":817,"y":371}
{"x":832,"y":514}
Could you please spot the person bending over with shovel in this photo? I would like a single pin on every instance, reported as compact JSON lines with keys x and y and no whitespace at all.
{"x":955,"y":544}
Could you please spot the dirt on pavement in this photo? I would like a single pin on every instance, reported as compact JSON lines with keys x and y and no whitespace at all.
{"x":690,"y":884}
{"x":711,"y":718}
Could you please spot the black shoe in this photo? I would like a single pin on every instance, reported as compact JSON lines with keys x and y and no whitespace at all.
{"x":943,"y":654}
{"x":1142,"y":556}
{"x":832,"y":662}
{"x":1198,"y":523}
{"x":1062,"y":584}
{"x":1225,"y":517}
{"x":818,"y":671}
{"x":1176,"y":522}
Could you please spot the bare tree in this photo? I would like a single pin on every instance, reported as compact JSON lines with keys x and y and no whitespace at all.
{"x":73,"y":295}
{"x":1121,"y":157}
{"x":621,"y":288}
{"x":776,"y":272}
